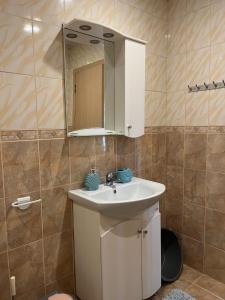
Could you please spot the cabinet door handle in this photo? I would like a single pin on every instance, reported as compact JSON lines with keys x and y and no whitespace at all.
{"x":139,"y":231}
{"x":145,"y":231}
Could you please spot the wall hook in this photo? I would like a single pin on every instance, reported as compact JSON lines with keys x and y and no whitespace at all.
{"x":206,"y":85}
{"x":215,"y":85}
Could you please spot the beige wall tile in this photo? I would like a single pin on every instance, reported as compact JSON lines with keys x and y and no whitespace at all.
{"x":177,"y":36}
{"x":216,"y":155}
{"x":56,"y":211}
{"x":215,"y":228}
{"x":58,"y":256}
{"x":126,"y":15}
{"x":215,"y":191}
{"x":21,"y":170}
{"x":198,"y":62}
{"x":176,"y":73}
{"x":3,"y":236}
{"x":156,"y":73}
{"x":174,"y":200}
{"x":125,"y":149}
{"x":195,"y":151}
{"x":193,"y":5}
{"x":50,"y":103}
{"x":155,"y":109}
{"x":78,"y":9}
{"x":175,"y":144}
{"x":51,"y":11}
{"x":215,"y":263}
{"x":103,"y":12}
{"x":143,"y":151}
{"x":19,"y":7}
{"x":157,"y":37}
{"x":217,"y":62}
{"x":3,"y":231}
{"x":159,"y":149}
{"x":23,"y":226}
{"x":177,"y":8}
{"x":196,"y":109}
{"x":16,"y":44}
{"x":159,"y":158}
{"x":33,"y":294}
{"x":26,"y":264}
{"x":4,"y":277}
{"x":217,"y":108}
{"x":54,"y":162}
{"x":194,"y":187}
{"x":198,"y":29}
{"x":19,"y":114}
{"x":176,"y":109}
{"x":65,"y":285}
{"x":154,"y":7}
{"x":193,"y":221}
{"x":218,"y":23}
{"x":98,"y":11}
{"x":193,"y":253}
{"x":105,"y":154}
{"x":82,"y":157}
{"x":48,"y":50}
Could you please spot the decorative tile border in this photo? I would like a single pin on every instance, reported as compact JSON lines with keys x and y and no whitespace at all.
{"x":18,"y":135}
{"x":22,"y":135}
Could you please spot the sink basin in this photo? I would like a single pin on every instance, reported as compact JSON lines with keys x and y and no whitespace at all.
{"x":129,"y":199}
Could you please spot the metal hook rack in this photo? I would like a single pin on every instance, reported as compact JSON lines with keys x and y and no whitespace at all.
{"x":206,"y":86}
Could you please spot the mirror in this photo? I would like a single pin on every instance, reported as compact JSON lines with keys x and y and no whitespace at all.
{"x":89,"y":82}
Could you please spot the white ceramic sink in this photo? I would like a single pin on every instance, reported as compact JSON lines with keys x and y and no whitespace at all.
{"x":129,"y":199}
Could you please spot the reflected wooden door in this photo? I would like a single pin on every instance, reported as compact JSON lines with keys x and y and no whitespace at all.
{"x":88,"y":96}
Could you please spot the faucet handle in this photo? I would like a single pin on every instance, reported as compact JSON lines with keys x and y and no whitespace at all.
{"x":109,"y":177}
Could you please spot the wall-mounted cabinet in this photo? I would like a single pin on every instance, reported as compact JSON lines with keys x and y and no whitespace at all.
{"x":104,"y":81}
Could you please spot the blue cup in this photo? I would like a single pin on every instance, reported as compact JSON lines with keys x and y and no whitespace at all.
{"x":124,"y":175}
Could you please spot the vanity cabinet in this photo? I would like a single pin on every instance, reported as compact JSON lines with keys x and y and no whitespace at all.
{"x":117,"y":259}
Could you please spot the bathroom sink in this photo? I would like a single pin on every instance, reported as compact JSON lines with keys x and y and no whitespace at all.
{"x":128,"y":200}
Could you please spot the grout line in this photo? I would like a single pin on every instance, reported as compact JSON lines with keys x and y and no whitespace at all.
{"x":42,"y":225}
{"x":208,"y":291}
{"x":5,"y":217}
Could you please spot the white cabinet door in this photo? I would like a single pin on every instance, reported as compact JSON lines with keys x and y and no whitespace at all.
{"x":134,"y":88}
{"x":121,"y":262}
{"x":151,"y":257}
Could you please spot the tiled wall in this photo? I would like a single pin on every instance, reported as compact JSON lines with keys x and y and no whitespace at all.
{"x":36,"y":245}
{"x":196,"y":54}
{"x":195,"y":206}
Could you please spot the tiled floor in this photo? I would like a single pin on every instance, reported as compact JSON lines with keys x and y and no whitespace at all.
{"x":196,"y":284}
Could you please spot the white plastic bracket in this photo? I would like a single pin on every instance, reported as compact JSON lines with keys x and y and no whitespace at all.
{"x":24,"y":202}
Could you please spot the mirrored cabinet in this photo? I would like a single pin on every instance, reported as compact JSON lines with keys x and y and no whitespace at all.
{"x":104,"y":75}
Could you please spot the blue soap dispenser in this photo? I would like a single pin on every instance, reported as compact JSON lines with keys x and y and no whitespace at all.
{"x":92,"y":180}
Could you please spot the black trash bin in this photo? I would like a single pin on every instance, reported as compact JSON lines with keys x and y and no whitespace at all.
{"x":172,"y":262}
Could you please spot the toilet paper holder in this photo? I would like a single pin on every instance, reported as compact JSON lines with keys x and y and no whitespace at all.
{"x":24,"y":202}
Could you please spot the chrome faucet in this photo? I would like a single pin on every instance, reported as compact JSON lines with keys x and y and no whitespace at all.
{"x":109,"y":181}
{"x":110,"y":178}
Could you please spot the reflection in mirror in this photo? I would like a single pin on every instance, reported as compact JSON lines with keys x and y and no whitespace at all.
{"x":89,"y":81}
